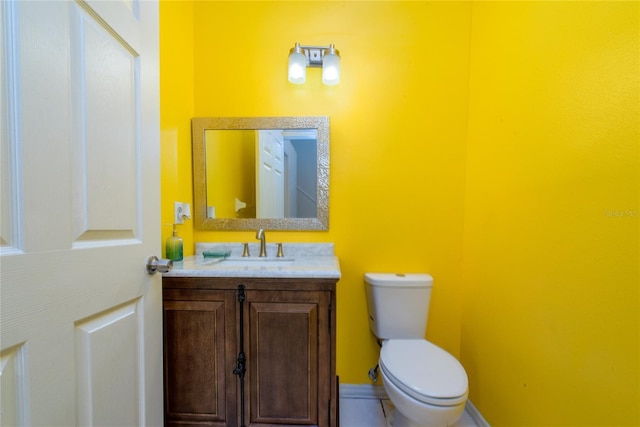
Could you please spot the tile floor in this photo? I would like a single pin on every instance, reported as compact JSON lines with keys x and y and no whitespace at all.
{"x":370,"y":412}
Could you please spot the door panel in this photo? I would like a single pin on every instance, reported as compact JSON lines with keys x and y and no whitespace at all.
{"x":270,"y":174}
{"x":105,"y":161}
{"x":199,"y":352}
{"x":285,"y":367}
{"x":285,"y":332}
{"x":109,"y":382}
{"x":80,"y":323}
{"x":13,"y":383}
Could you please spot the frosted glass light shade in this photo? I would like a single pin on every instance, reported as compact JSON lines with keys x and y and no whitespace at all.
{"x":297,"y":67}
{"x":331,"y":67}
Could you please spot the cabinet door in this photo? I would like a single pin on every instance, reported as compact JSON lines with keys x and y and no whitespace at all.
{"x":199,"y":349}
{"x":289,"y":358}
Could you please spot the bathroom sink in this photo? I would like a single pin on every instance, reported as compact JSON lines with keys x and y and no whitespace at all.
{"x":257,"y":261}
{"x":301,"y":260}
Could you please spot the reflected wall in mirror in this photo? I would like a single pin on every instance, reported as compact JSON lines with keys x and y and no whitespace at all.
{"x":270,"y":172}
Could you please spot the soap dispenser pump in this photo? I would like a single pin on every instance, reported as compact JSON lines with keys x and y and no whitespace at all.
{"x":174,"y":246}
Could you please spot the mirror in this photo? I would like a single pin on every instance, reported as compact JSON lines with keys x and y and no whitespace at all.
{"x":269,"y":172}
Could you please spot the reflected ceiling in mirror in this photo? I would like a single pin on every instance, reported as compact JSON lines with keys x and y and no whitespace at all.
{"x":252,"y":172}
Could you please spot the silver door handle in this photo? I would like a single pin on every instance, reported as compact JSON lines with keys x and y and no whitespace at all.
{"x":154,"y":265}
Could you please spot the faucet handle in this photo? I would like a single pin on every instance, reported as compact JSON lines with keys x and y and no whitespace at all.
{"x":245,"y":250}
{"x":280,"y":253}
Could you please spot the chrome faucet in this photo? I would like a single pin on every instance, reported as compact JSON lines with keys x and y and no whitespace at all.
{"x":263,"y":244}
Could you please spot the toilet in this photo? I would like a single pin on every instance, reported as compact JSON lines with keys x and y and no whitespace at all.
{"x":427,"y":385}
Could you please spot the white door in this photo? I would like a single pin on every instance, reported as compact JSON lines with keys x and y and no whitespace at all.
{"x":270,"y":174}
{"x":290,"y":180}
{"x":81,"y":325}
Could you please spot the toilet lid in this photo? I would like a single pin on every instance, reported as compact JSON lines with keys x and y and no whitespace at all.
{"x":424,"y":371}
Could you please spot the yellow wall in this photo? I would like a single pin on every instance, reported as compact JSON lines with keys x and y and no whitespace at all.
{"x":231,"y":159}
{"x":544,"y":312}
{"x":176,"y":111}
{"x":398,"y":135}
{"x":551,"y":264}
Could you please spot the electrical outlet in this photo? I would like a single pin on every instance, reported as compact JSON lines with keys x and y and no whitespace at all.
{"x":178,"y":211}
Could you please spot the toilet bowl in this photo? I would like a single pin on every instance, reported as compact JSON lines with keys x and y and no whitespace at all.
{"x":427,"y":385}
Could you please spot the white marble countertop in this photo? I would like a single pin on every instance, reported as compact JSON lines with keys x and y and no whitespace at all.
{"x":301,"y":260}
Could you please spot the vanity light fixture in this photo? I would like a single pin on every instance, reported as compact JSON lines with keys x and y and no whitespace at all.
{"x":327,"y":57}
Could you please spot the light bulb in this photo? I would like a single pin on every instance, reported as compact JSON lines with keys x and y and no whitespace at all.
{"x":331,"y":66}
{"x":297,"y":65}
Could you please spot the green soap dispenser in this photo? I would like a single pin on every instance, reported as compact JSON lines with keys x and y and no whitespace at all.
{"x":174,"y":246}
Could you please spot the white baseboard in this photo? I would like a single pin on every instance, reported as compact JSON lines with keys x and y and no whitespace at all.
{"x":362,"y":391}
{"x":476,"y":415}
{"x":370,"y":391}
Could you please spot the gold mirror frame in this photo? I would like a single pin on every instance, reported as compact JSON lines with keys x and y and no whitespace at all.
{"x":200,"y":124}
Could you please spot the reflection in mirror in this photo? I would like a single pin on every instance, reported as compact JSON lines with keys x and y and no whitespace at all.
{"x":269,"y":172}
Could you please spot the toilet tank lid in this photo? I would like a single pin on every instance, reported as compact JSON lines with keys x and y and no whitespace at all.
{"x":399,"y":279}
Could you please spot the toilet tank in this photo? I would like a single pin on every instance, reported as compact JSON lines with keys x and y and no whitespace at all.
{"x":398,"y":304}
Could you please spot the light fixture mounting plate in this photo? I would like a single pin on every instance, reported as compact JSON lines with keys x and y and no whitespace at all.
{"x":314,"y":54}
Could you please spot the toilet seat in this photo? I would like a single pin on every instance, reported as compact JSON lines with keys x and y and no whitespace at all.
{"x":424,"y":371}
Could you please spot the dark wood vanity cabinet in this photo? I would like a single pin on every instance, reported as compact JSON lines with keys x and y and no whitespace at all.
{"x":284,"y":327}
{"x":199,"y":342}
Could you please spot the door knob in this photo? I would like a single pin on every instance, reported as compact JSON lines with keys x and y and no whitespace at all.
{"x":154,"y":265}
